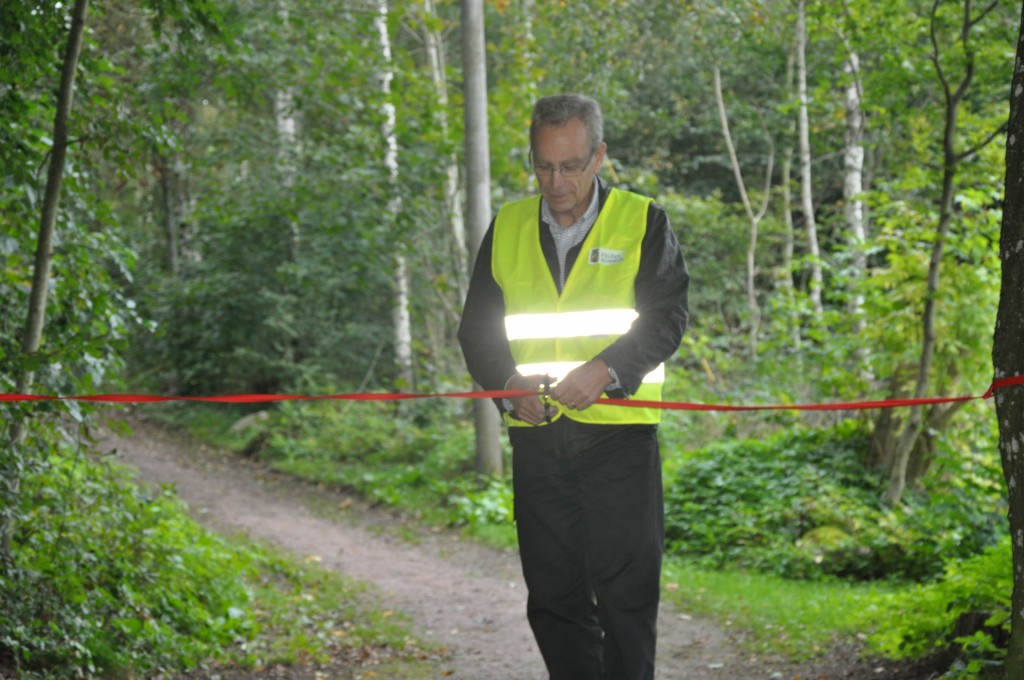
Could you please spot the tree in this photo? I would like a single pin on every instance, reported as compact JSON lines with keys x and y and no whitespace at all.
{"x":1007,"y":356}
{"x":281,"y":135}
{"x":955,"y":89}
{"x":433,"y":158}
{"x":400,"y":314}
{"x":754,"y":218}
{"x":478,"y":200}
{"x":33,"y":332}
{"x":806,"y":186}
{"x":853,"y":187}
{"x":434,"y":47}
{"x":785,"y":270}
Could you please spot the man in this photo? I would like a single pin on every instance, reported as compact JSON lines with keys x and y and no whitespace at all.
{"x":583,"y":287}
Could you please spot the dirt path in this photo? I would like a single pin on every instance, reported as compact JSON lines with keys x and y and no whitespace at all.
{"x":465,"y":596}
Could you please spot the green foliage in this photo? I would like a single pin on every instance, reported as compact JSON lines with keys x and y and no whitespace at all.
{"x":420,"y":462}
{"x":284,"y":247}
{"x":800,"y":619}
{"x":492,"y":505}
{"x":280,"y":274}
{"x":922,"y":620}
{"x":800,"y":504}
{"x":109,"y":580}
{"x":106,"y":578}
{"x":966,"y":303}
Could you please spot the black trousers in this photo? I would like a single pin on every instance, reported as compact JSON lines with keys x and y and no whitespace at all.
{"x":590,"y":516}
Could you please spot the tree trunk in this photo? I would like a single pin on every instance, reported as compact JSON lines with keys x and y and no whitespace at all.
{"x":853,"y":205}
{"x":530,"y":58}
{"x":171,"y":211}
{"x":287,"y":139}
{"x":446,"y":319}
{"x":401,"y":317}
{"x":1008,"y":359}
{"x":33,"y":333}
{"x":912,"y":428}
{"x":452,"y":203}
{"x":786,"y":278}
{"x":402,"y":320}
{"x":806,"y":195}
{"x":754,"y":218}
{"x":478,"y":201}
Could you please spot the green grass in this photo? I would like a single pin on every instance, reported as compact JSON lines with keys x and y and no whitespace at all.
{"x":796,"y":618}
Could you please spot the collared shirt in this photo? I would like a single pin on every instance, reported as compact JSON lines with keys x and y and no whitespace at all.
{"x":567,"y":238}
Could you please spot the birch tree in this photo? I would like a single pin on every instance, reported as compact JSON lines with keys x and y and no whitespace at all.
{"x":853,"y":188}
{"x":287,"y":129}
{"x":434,"y":47}
{"x":785,"y":276}
{"x":401,"y":317}
{"x":478,"y":200}
{"x":854,"y":209}
{"x":1007,"y":357}
{"x":806,"y":193}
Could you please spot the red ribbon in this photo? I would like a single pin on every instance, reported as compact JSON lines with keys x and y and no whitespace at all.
{"x":498,"y":394}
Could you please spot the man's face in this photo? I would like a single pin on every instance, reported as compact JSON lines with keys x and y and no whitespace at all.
{"x":565,"y":168}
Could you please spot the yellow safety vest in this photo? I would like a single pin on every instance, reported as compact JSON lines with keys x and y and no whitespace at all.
{"x":550,"y":334}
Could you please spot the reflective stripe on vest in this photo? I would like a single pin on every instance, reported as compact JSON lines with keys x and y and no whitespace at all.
{"x":569,"y":324}
{"x":550,"y":334}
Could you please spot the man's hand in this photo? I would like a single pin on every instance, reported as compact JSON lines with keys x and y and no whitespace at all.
{"x":583,"y":385}
{"x":529,"y":408}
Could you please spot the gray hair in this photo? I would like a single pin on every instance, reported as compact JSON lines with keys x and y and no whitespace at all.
{"x":559,"y":109}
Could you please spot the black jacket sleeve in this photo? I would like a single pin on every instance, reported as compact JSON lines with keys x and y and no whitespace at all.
{"x":482,"y":328}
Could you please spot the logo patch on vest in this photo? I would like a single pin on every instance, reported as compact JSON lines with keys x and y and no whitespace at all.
{"x":606,"y":256}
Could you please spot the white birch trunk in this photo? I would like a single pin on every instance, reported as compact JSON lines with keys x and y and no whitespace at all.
{"x":789,"y":242}
{"x":853,"y":204}
{"x":284,"y":116}
{"x":287,"y":136}
{"x":402,"y":319}
{"x":806,"y":195}
{"x":452,"y":200}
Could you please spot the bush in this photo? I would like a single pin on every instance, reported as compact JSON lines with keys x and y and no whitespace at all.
{"x":925,"y":619}
{"x":421,"y":462}
{"x":105,"y":577}
{"x":109,"y":580}
{"x":801,"y":504}
{"x":491,"y":505}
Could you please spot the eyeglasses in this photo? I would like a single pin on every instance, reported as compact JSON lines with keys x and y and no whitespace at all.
{"x":571,"y":169}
